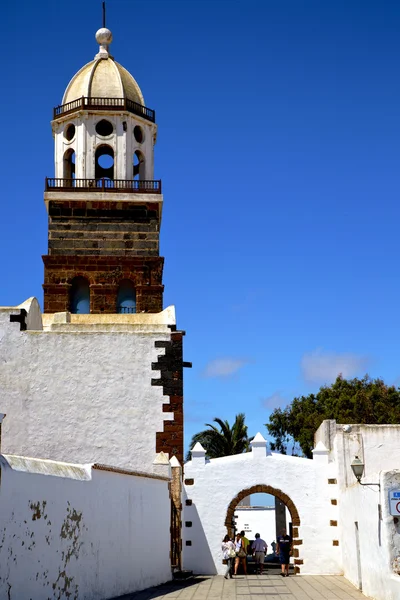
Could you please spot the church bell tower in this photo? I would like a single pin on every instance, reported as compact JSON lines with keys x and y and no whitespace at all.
{"x":104,"y":205}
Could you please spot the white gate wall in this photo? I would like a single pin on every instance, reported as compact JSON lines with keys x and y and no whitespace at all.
{"x":216,"y":482}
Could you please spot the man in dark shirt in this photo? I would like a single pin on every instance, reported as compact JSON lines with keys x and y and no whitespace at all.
{"x":284,"y":548}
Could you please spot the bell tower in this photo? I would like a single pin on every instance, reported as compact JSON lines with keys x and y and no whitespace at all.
{"x":104,"y":205}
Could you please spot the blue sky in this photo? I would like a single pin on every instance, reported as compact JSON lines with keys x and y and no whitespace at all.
{"x":278,"y":147}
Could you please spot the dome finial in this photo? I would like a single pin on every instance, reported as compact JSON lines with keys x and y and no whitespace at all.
{"x":103,"y":37}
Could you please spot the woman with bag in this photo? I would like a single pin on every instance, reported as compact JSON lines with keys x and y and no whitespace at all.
{"x":229,"y":554}
{"x":240,"y":554}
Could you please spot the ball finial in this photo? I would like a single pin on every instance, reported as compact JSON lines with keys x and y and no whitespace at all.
{"x":104,"y":36}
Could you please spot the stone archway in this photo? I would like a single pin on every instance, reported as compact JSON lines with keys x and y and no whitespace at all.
{"x":267,"y":489}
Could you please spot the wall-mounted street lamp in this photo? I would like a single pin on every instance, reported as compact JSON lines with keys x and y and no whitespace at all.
{"x":357,"y":467}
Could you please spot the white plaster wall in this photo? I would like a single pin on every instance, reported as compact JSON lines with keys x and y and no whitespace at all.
{"x":81,"y":396}
{"x":379,"y":537}
{"x":218,"y":481}
{"x":259,"y":520}
{"x":62,"y":536}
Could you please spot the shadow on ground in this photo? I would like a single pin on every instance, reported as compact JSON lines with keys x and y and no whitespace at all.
{"x":164,"y":588}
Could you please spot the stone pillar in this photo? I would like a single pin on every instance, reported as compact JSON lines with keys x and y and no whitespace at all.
{"x":259,"y":446}
{"x":161,"y":465}
{"x":198,"y":454}
{"x":176,"y":514}
{"x":321,"y":453}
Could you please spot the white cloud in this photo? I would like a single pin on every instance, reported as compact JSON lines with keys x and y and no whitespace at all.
{"x":320,"y":366}
{"x":224,"y":367}
{"x":275,"y":400}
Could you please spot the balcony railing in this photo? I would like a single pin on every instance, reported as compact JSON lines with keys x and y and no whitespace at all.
{"x":140,"y":186}
{"x":86,"y":103}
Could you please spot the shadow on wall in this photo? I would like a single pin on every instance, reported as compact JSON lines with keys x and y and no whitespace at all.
{"x":197,"y":556}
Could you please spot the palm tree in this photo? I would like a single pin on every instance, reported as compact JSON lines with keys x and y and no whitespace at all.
{"x":224,"y":441}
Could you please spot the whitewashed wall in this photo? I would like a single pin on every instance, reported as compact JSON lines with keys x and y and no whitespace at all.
{"x":370,"y":566}
{"x":72,"y":530}
{"x":218,"y":481}
{"x":79,"y":395}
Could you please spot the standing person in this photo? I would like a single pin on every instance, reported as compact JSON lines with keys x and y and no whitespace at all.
{"x":259,"y":548}
{"x":245,"y":546}
{"x":229,"y":554}
{"x":284,"y":548}
{"x":240,"y":554}
{"x":245,"y":541}
{"x":273,"y":546}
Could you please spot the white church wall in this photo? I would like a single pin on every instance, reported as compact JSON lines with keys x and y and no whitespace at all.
{"x":79,"y":395}
{"x":218,"y":481}
{"x":72,"y":530}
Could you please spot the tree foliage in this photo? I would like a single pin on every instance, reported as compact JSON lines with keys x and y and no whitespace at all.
{"x":223,"y":440}
{"x":365,"y":401}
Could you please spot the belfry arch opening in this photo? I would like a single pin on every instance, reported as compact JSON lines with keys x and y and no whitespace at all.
{"x":126,"y":297}
{"x":79,"y":297}
{"x":69,"y":164}
{"x":139,"y":165}
{"x":104,"y":162}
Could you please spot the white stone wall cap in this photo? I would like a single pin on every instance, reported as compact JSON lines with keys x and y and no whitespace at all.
{"x":41,"y":466}
{"x":320,"y":448}
{"x":258,"y":440}
{"x":198,"y":449}
{"x":99,"y":196}
{"x":174,"y":462}
{"x":161,"y":459}
{"x":136,"y":322}
{"x":26,"y":305}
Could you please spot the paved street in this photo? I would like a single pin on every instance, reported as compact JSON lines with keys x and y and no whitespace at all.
{"x":253,"y":587}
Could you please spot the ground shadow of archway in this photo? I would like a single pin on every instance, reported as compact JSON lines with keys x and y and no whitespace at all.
{"x":294,"y":514}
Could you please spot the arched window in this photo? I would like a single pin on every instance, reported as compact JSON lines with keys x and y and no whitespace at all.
{"x":126,"y":298}
{"x":104,"y":162}
{"x":79,"y":299}
{"x":69,"y":164}
{"x":138,"y":165}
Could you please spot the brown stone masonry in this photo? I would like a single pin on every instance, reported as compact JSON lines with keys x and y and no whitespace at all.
{"x":105,"y":242}
{"x":104,"y":274}
{"x":171,"y":366}
{"x":103,"y":228}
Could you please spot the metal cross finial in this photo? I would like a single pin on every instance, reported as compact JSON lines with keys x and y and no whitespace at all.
{"x":104,"y":14}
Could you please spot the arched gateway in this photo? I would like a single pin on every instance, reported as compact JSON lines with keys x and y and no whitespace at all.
{"x":214,"y":488}
{"x":267,"y":489}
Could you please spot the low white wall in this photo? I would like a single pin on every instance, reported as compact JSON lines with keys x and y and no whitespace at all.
{"x":78,"y":532}
{"x":218,"y":481}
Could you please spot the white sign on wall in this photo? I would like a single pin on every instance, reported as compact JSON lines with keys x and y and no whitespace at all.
{"x":394,"y":501}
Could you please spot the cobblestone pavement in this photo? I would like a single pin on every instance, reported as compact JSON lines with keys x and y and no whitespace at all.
{"x":253,"y":587}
